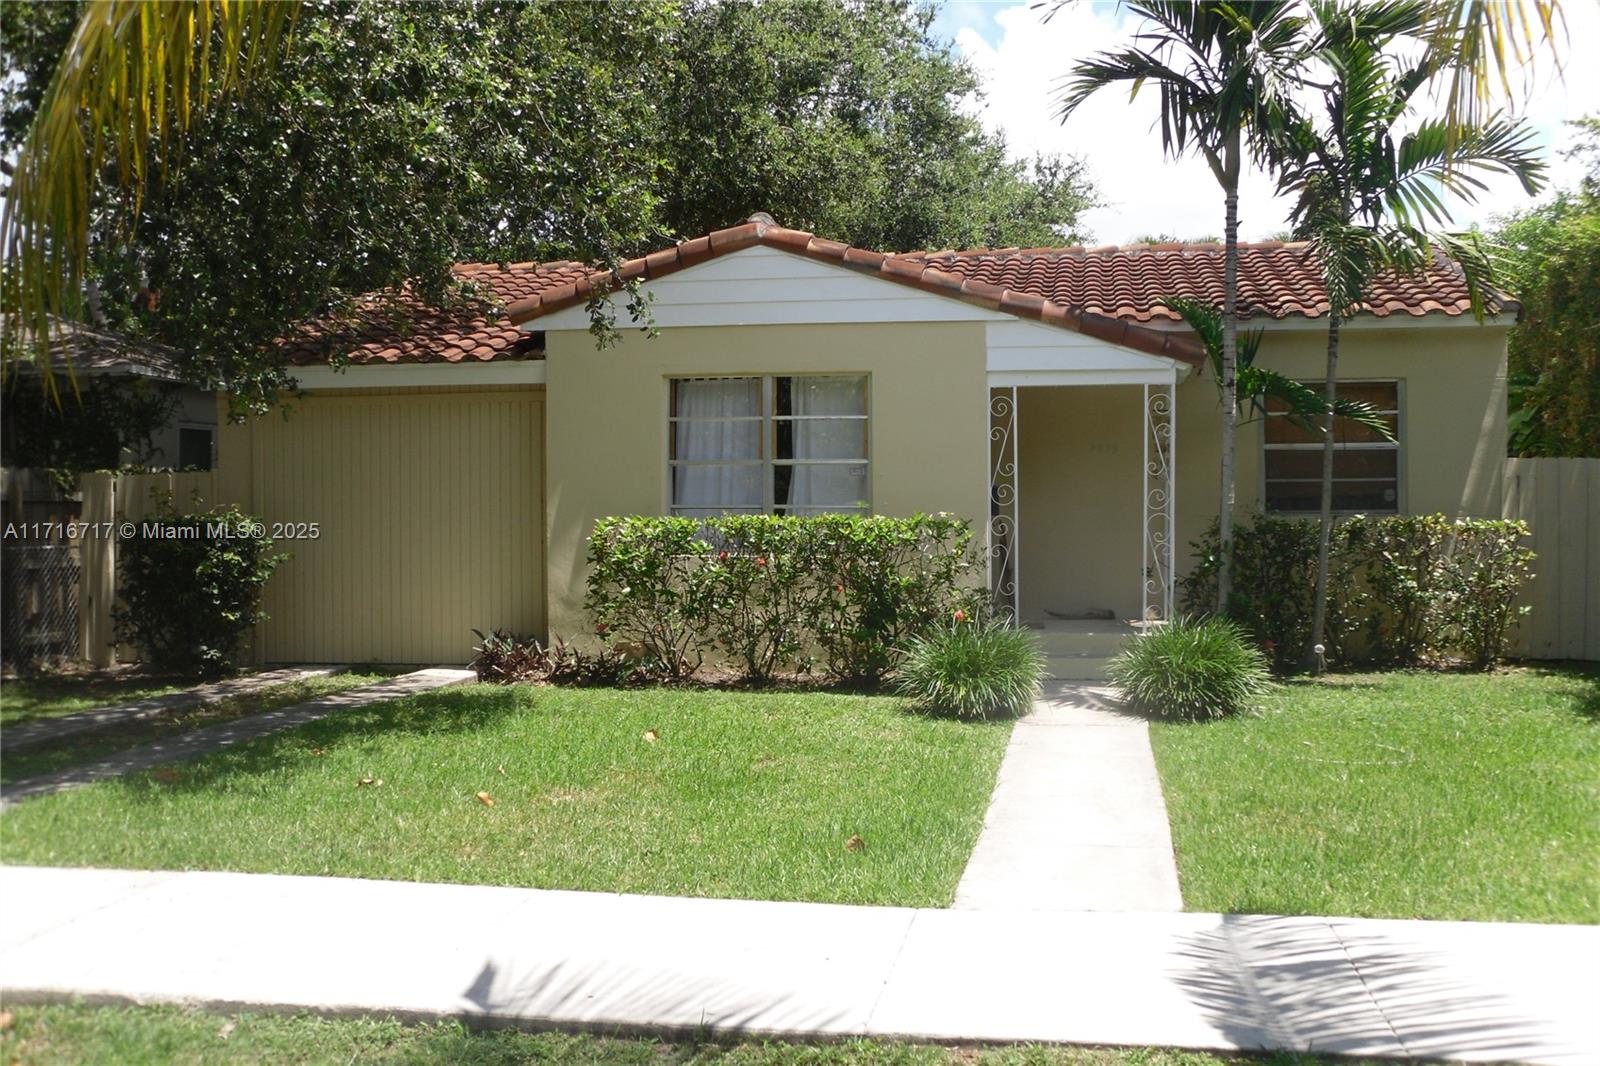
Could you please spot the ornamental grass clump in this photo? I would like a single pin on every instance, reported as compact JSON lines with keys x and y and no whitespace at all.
{"x":1193,"y":670}
{"x":972,"y":669}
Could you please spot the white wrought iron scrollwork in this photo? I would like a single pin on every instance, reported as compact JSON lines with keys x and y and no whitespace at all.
{"x":1003,"y":501}
{"x":1159,"y":491}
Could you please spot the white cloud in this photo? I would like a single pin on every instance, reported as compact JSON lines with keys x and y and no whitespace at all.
{"x":1148,"y":193}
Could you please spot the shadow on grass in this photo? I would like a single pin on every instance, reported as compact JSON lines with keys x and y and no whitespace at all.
{"x":441,"y":712}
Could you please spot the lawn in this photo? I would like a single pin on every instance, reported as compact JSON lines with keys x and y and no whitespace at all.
{"x":801,"y":796}
{"x":94,"y":744}
{"x":23,"y":699}
{"x":148,"y":1036}
{"x":1406,"y":795}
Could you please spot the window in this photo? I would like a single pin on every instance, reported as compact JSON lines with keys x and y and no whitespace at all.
{"x":1366,"y":468}
{"x":195,"y":447}
{"x":778,"y":445}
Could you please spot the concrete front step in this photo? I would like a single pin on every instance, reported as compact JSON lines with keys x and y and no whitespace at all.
{"x":1076,"y":667}
{"x":1105,"y":640}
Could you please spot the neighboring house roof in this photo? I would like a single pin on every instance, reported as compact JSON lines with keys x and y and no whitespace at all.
{"x":83,"y":350}
{"x":403,"y":328}
{"x":1109,"y":293}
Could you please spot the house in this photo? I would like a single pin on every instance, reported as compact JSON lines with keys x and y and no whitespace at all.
{"x":456,"y":468}
{"x":110,"y":373}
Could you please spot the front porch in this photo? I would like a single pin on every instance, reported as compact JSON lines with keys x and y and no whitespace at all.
{"x":1081,"y":529}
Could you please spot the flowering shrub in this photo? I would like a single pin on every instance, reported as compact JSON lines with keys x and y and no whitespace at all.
{"x":770,"y":593}
{"x":1401,"y":588}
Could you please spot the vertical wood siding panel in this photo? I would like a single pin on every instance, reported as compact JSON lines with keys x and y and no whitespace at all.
{"x":431,"y":510}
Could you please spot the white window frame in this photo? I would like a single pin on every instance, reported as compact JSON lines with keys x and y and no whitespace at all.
{"x":767,"y":460}
{"x":1398,"y":446}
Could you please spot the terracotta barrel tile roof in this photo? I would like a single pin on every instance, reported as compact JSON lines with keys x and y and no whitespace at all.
{"x":1113,"y":293}
{"x":1276,"y":280}
{"x":403,"y":328}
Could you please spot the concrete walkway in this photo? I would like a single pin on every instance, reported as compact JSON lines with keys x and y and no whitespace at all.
{"x":1077,"y":821}
{"x":45,"y":730}
{"x":226,"y":734}
{"x":528,"y":957}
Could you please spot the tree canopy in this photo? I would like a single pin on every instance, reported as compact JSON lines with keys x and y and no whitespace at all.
{"x":395,"y":139}
{"x":1551,"y":262}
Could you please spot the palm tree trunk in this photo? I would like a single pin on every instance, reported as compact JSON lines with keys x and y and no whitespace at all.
{"x":1230,"y":384}
{"x":1319,"y":609}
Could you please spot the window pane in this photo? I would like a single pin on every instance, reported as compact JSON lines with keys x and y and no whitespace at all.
{"x":716,"y":487}
{"x":717,"y":419}
{"x":1347,"y":463}
{"x":1304,"y":495}
{"x":830,"y":486}
{"x":823,"y":438}
{"x":819,"y":395}
{"x":701,"y":441}
{"x":194,"y":448}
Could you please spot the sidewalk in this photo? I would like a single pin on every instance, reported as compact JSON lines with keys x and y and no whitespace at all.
{"x":45,"y":730}
{"x":534,"y":958}
{"x":203,"y":741}
{"x":1077,"y":821}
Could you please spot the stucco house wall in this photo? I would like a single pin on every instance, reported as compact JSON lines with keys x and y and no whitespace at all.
{"x":607,"y":424}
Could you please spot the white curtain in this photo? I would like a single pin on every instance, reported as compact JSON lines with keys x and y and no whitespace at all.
{"x":835,"y":485}
{"x":703,"y":434}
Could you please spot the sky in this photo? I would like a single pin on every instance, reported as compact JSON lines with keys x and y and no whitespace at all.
{"x":1021,"y":58}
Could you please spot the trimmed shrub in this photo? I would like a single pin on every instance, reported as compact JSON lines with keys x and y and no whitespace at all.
{"x":770,"y":592}
{"x":972,"y":669}
{"x":1488,"y":567}
{"x":1401,"y":588}
{"x":1192,"y":670}
{"x":650,"y":589}
{"x":191,"y":587}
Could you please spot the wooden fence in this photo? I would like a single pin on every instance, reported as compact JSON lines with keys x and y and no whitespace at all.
{"x":109,"y":501}
{"x":1560,"y":501}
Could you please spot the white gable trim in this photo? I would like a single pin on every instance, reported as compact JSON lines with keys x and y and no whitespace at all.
{"x":764,"y":286}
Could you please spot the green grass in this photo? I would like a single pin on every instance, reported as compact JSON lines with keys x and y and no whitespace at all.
{"x":159,"y":1036}
{"x":83,"y":747}
{"x":23,"y":699}
{"x":1407,"y":795}
{"x":741,"y":794}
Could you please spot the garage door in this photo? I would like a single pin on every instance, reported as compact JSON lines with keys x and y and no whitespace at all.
{"x":429,"y":519}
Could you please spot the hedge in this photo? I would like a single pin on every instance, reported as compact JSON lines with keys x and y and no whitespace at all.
{"x":1402,"y":589}
{"x":767,"y":594}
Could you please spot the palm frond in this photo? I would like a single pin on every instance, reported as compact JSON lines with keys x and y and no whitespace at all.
{"x":134,"y":73}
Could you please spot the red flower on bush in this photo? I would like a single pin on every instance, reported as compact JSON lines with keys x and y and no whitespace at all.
{"x":960,"y":615}
{"x":600,"y":628}
{"x":760,"y":561}
{"x":839,"y":587}
{"x":722,"y":557}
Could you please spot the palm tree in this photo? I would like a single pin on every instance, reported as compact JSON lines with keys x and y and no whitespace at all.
{"x":1261,"y":387}
{"x":1366,"y":195}
{"x":1223,"y":71}
{"x":134,"y":72}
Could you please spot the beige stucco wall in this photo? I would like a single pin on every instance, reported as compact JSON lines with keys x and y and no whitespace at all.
{"x":1081,"y":449}
{"x":607,"y":430}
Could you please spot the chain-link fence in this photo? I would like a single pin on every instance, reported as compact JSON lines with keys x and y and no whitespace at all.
{"x":39,"y":585}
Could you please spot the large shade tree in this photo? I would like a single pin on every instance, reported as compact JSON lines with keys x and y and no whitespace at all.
{"x":1550,"y":261}
{"x":1369,"y":195}
{"x":393,"y":140}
